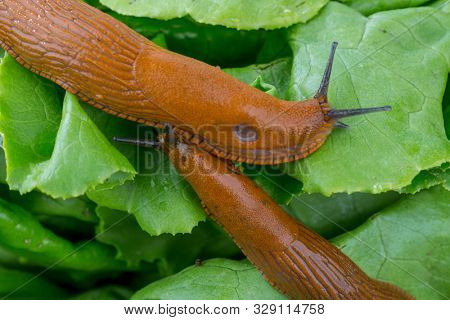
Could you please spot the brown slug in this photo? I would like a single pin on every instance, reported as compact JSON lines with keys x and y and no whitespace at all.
{"x":113,"y":68}
{"x":295,"y":260}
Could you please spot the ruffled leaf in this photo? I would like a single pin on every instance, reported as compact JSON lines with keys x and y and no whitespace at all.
{"x":23,"y":236}
{"x":399,"y":58}
{"x":61,"y":153}
{"x":213,"y":279}
{"x":407,"y":244}
{"x":239,"y":14}
{"x":367,"y":7}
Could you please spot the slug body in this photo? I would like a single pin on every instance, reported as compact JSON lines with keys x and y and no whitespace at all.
{"x":295,"y":260}
{"x":113,"y":68}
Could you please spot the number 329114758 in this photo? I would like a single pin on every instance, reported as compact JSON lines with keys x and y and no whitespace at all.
{"x":304,"y":308}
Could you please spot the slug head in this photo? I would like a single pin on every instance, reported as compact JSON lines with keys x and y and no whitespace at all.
{"x":273,"y":131}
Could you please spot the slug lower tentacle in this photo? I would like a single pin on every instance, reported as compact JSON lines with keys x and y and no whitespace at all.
{"x":295,"y":260}
{"x":113,"y":68}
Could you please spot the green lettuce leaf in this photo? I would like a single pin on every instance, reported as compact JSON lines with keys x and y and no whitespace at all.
{"x":22,"y":235}
{"x":443,"y":5}
{"x":275,"y":47}
{"x":2,"y":164}
{"x":398,"y":57}
{"x":213,"y":279}
{"x":407,"y":244}
{"x":15,"y":284}
{"x":332,"y":216}
{"x":281,"y":187}
{"x":446,"y":109}
{"x":160,"y":199}
{"x":272,"y":78}
{"x":29,"y":115}
{"x":175,"y":252}
{"x":61,"y":153}
{"x":160,"y":40}
{"x":110,"y":292}
{"x":429,"y":178}
{"x":40,"y":204}
{"x":72,"y":218}
{"x":367,"y":7}
{"x":239,"y":14}
{"x":134,"y":249}
{"x":216,"y":45}
{"x":83,"y":280}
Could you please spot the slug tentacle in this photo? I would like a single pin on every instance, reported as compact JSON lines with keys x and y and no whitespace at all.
{"x":322,"y":93}
{"x":323,"y":88}
{"x":138,"y":142}
{"x":343,"y":113}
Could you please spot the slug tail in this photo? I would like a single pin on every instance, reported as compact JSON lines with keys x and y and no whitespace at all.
{"x":310,"y":268}
{"x":381,"y":290}
{"x":304,"y":270}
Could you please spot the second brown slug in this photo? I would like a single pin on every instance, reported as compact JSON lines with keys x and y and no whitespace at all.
{"x":295,"y":260}
{"x":113,"y":68}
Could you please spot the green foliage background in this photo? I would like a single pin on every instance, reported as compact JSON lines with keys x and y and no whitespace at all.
{"x":82,"y":217}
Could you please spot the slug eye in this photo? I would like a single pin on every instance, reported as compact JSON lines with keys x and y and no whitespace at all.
{"x":245,"y":133}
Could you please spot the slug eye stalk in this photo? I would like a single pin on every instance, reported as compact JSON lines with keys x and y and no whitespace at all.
{"x":343,"y":113}
{"x":323,"y":92}
{"x":138,"y":142}
{"x":323,"y":89}
{"x":169,"y":133}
